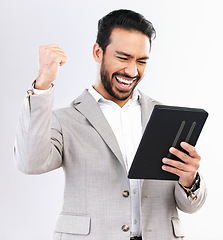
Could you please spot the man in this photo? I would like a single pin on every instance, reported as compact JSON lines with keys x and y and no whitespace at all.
{"x":95,"y":140}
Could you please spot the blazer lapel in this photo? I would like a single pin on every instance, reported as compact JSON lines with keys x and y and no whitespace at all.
{"x":87,"y":106}
{"x":147,"y":105}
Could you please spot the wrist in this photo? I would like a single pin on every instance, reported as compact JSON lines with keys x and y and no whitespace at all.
{"x":36,"y":91}
{"x":41,"y":84}
{"x":195,"y":185}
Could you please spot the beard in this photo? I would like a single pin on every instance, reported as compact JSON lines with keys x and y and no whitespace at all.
{"x":111,"y":88}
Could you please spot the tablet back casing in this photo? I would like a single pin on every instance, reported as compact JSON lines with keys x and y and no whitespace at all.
{"x":168,"y":126}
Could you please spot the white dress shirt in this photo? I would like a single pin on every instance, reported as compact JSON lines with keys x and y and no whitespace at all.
{"x":127,"y":126}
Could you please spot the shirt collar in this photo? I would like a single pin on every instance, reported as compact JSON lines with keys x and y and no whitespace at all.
{"x":97,"y":96}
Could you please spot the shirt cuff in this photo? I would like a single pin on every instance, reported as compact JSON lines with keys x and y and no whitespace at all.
{"x":33,"y":91}
{"x":38,"y":91}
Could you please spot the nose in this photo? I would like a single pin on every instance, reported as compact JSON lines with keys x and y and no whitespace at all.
{"x":131,"y":69}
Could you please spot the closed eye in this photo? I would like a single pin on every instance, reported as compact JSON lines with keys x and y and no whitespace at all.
{"x":122,"y":58}
{"x":142,"y":62}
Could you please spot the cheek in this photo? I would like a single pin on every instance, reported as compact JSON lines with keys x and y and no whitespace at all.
{"x":116,"y":68}
{"x":141,"y":70}
{"x":111,"y":67}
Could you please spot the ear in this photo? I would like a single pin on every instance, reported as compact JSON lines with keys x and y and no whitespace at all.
{"x":97,"y":53}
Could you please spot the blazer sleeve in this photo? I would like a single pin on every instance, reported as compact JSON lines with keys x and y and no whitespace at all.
{"x":39,"y":141}
{"x":186,"y":204}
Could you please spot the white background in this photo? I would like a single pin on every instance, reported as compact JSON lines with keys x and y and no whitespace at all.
{"x":185,"y":69}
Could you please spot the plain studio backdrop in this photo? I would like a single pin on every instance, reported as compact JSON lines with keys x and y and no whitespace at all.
{"x":185,"y":69}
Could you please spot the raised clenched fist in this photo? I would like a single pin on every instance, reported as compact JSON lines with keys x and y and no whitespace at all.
{"x":51,"y":57}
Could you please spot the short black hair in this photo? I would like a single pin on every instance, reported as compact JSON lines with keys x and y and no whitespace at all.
{"x":125,"y":19}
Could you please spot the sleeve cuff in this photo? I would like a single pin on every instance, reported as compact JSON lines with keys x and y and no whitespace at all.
{"x":34,"y":91}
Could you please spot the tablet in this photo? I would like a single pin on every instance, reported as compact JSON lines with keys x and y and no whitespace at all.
{"x":168,"y":126}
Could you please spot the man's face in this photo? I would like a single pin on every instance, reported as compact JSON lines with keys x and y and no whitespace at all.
{"x":123,"y":65}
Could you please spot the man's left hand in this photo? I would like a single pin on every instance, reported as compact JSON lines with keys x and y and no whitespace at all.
{"x":187,"y":169}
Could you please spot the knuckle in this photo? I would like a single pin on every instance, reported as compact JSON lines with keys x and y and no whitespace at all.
{"x":179,"y":165}
{"x":194,"y":173}
{"x":175,"y":170}
{"x":43,"y":47}
{"x":51,"y":54}
{"x":184,"y":156}
{"x":197,"y":165}
{"x":193,"y":151}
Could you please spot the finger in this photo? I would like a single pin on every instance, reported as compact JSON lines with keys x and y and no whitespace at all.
{"x":177,"y":164}
{"x":193,"y":162}
{"x":173,"y":170}
{"x":52,"y":48}
{"x":181,"y":155}
{"x":60,"y":58}
{"x":190,"y":149}
{"x":57,"y":49}
{"x":185,"y":178}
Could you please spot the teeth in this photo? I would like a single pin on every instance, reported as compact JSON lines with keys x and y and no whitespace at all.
{"x":122,"y":80}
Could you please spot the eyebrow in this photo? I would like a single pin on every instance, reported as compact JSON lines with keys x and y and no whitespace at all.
{"x":129,"y":55}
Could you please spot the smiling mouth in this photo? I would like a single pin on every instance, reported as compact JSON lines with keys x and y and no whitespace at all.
{"x":124,"y":81}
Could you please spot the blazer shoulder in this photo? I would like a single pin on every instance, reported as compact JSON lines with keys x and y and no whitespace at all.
{"x":148,"y":99}
{"x":72,"y":110}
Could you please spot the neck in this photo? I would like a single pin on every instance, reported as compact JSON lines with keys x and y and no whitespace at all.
{"x":106,"y":95}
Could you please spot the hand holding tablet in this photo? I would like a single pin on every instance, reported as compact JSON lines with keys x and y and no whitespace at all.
{"x":169,"y":138}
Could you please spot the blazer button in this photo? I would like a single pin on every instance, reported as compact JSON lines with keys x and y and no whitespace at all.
{"x":125,"y":228}
{"x":125,"y":193}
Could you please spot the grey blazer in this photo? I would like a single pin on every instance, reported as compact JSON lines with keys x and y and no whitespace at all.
{"x":79,"y":139}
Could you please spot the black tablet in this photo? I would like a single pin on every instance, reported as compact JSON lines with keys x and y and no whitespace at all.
{"x":168,"y":126}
